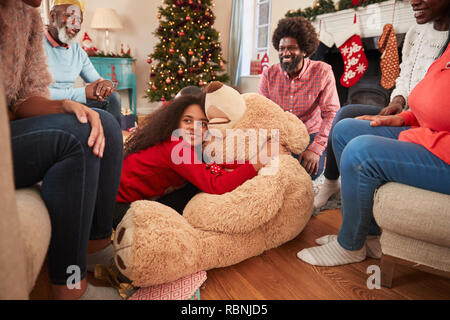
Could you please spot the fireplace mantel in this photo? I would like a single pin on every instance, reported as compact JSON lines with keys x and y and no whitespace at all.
{"x":371,"y":19}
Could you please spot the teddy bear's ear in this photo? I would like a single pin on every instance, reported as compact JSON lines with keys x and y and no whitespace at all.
{"x":297,"y":136}
{"x":213,"y":86}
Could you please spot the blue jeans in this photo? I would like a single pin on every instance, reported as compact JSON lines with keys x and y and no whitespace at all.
{"x":112,"y":104}
{"x":78,"y":188}
{"x":350,"y":111}
{"x":321,"y":160}
{"x":369,"y":157}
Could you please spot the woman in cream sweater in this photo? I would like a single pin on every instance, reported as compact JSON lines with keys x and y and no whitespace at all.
{"x":424,"y":43}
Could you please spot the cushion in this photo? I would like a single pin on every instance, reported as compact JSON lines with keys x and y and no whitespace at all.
{"x":35,"y":229}
{"x":413,"y":212}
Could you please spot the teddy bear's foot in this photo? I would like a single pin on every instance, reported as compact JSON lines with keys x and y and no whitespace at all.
{"x":154,"y":244}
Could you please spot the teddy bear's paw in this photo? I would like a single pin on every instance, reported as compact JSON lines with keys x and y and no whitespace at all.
{"x":154,"y":244}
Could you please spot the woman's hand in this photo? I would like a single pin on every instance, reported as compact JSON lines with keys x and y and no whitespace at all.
{"x":84,"y":114}
{"x":395,"y":107}
{"x":388,"y":121}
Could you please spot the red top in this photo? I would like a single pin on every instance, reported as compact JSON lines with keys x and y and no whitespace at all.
{"x":430,"y":110}
{"x":153,"y":171}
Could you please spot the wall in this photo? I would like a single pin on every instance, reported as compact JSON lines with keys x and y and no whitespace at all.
{"x":139,"y":21}
{"x":279,"y":9}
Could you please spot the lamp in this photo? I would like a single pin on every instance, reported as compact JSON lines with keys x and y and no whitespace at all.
{"x":106,"y":19}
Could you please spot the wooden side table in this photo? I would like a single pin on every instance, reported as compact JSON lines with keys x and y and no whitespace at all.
{"x":122,"y":71}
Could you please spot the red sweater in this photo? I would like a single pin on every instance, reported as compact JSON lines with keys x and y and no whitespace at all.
{"x":430,"y":110}
{"x":151,"y":172}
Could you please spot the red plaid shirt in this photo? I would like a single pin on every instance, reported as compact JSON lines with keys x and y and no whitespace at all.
{"x":312,"y":97}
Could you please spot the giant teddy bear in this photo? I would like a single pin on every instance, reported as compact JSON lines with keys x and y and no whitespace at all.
{"x":154,"y":244}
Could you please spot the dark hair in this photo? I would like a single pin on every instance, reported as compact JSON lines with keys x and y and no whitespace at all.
{"x":301,"y":30}
{"x":158,"y":126}
{"x":192,"y":90}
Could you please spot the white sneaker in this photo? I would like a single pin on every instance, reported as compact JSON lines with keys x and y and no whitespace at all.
{"x":326,"y":191}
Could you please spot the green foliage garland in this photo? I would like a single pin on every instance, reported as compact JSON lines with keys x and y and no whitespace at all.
{"x":327,"y":6}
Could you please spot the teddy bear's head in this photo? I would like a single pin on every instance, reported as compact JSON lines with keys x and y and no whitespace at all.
{"x":233,"y":116}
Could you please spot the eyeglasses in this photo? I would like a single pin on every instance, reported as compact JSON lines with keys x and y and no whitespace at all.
{"x":288,"y":48}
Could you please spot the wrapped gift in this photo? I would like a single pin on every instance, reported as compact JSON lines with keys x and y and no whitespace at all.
{"x":127,"y":120}
{"x":186,"y":288}
{"x":255,"y":67}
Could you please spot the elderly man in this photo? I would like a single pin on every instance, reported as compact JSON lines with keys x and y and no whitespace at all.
{"x":303,"y":87}
{"x":67,"y":60}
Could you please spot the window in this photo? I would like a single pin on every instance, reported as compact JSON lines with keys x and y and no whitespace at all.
{"x":256,"y":32}
{"x":262,"y":25}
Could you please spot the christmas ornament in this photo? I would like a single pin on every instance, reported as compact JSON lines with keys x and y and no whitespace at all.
{"x":264,"y":62}
{"x":189,"y":51}
{"x":149,"y":60}
{"x":389,"y":64}
{"x":352,"y":51}
{"x":87,"y":45}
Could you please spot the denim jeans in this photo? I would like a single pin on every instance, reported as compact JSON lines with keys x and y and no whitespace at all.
{"x":78,"y":188}
{"x":177,"y":200}
{"x":321,"y":159}
{"x":349,"y":111}
{"x":369,"y":157}
{"x":112,"y":104}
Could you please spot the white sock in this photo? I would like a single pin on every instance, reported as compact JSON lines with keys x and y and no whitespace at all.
{"x":326,"y":190}
{"x":331,"y":254}
{"x":100,"y":293}
{"x":373,"y":246}
{"x":326,"y":239}
{"x":104,"y":257}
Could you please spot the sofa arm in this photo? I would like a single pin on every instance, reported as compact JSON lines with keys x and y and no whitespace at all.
{"x":12,"y":259}
{"x":35,"y":228}
{"x":413,"y":212}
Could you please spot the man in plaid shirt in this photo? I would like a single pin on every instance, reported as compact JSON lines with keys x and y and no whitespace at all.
{"x":303,"y":87}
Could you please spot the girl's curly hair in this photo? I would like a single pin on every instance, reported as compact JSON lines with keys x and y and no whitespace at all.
{"x":158,"y":126}
{"x":301,"y":30}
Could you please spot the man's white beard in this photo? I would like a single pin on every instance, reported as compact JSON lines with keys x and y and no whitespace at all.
{"x":64,"y":37}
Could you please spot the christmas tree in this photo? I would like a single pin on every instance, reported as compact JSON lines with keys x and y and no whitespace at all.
{"x":189,"y":51}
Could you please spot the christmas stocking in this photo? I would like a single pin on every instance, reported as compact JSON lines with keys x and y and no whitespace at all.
{"x":352,"y":51}
{"x":390,"y":67}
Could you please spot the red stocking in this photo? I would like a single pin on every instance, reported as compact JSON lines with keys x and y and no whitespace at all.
{"x":352,"y":51}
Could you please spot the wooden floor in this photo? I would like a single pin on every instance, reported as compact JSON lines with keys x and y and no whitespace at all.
{"x":279,"y":275}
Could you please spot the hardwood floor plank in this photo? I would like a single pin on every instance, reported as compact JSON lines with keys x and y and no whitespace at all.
{"x":278,"y":274}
